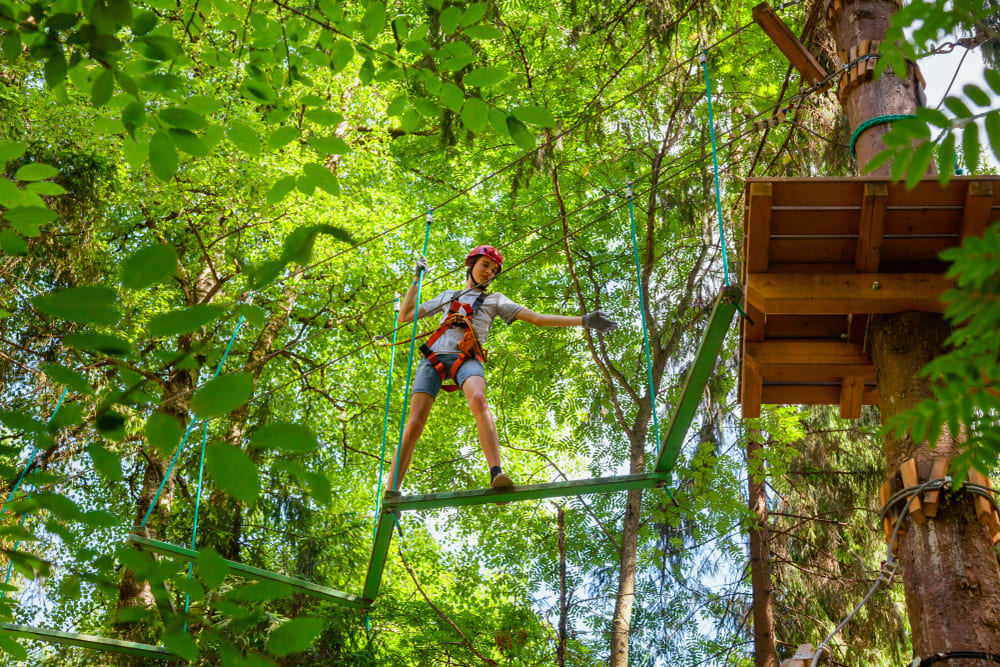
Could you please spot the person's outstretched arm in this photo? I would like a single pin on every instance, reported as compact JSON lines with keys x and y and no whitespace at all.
{"x":595,"y":320}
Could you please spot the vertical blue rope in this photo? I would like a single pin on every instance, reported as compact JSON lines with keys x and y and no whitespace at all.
{"x":715,"y":162}
{"x":187,"y":432}
{"x":385,"y":422}
{"x":642,"y":310}
{"x":31,"y":460}
{"x":409,"y":364}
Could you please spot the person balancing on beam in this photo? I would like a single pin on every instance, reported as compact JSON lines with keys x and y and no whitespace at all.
{"x":455,"y":352}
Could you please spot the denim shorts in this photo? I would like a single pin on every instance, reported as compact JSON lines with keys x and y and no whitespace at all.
{"x":426,"y":380}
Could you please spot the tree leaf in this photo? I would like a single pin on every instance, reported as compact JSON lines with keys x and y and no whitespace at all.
{"x":474,"y":13}
{"x":449,"y":19}
{"x":222,"y":395}
{"x":279,"y":190}
{"x":95,"y":342}
{"x":212,"y":568}
{"x":106,"y":463}
{"x":992,"y":123}
{"x":185,"y":119}
{"x":89,"y":303}
{"x":104,"y":86}
{"x":163,"y":432}
{"x":324,"y":117}
{"x":878,"y":160}
{"x":181,"y":644}
{"x":69,"y":377}
{"x":11,"y":150}
{"x":957,"y":107}
{"x":475,"y":114}
{"x":282,"y":136}
{"x":373,"y":21}
{"x":970,"y":146}
{"x":295,"y":636}
{"x":13,"y":648}
{"x":55,"y":69}
{"x":922,"y":155}
{"x":29,"y":215}
{"x":341,"y":54}
{"x":976,"y":94}
{"x":452,"y":96}
{"x":46,"y":188}
{"x":498,"y":121}
{"x":285,"y":436}
{"x":521,"y":135}
{"x":36,"y":171}
{"x":162,"y":156}
{"x":535,"y":115}
{"x":12,"y":244}
{"x":946,"y":159}
{"x":244,"y":138}
{"x":482,"y":32}
{"x":484,"y":76}
{"x":233,"y":471}
{"x":397,"y":106}
{"x":321,"y":177}
{"x":188,"y":142}
{"x":329,"y":145}
{"x":148,"y":266}
{"x":184,"y":321}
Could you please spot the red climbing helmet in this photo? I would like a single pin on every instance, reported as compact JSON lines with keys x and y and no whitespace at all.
{"x":487,"y":250}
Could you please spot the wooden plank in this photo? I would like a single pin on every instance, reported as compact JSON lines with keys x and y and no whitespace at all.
{"x":575,"y":487}
{"x":871,"y":227}
{"x":888,"y":521}
{"x":799,"y":268}
{"x":931,"y":498}
{"x":908,"y":471}
{"x":811,"y":394}
{"x":923,"y":221}
{"x":811,"y":251}
{"x":790,"y":45}
{"x":87,"y":641}
{"x":805,"y":326}
{"x":750,"y":391}
{"x":250,"y":572}
{"x":832,"y":294}
{"x":983,"y":506}
{"x":788,"y":358}
{"x":758,"y":227}
{"x":851,"y":390}
{"x":705,"y":359}
{"x":813,"y":192}
{"x":755,"y":331}
{"x":380,"y":554}
{"x":978,"y":211}
{"x":929,"y":192}
{"x":824,"y":221}
{"x":908,"y":250}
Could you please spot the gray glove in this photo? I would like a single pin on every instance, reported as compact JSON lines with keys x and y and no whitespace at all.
{"x":599,"y":321}
{"x":421,"y":266}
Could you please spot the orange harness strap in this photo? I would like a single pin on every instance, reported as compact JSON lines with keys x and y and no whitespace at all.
{"x":459,"y":315}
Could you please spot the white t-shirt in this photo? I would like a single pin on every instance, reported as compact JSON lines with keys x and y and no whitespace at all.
{"x":495,"y":305}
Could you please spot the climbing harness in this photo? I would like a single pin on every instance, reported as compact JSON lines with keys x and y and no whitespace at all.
{"x":459,"y":316}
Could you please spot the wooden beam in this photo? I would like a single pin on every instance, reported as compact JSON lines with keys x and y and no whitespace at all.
{"x":249,"y":572}
{"x":851,"y":390}
{"x":88,"y":641}
{"x":783,"y":360}
{"x":758,"y":227}
{"x":838,"y":293}
{"x":978,"y":208}
{"x":792,"y":394}
{"x":871,"y":227}
{"x":750,"y":391}
{"x":574,"y":487}
{"x":794,"y":50}
{"x":705,"y":358}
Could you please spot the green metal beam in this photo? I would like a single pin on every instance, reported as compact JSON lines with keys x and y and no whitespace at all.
{"x":255,"y":573}
{"x":694,"y":385}
{"x":87,"y":641}
{"x":380,"y":551}
{"x":576,"y":487}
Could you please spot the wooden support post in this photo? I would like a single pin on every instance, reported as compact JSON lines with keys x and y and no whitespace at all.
{"x":932,"y":498}
{"x":705,"y":359}
{"x":908,"y":471}
{"x":851,"y":391}
{"x":884,"y":493}
{"x":250,"y":572}
{"x":978,"y":208}
{"x":758,"y":227}
{"x":871,"y":227}
{"x":88,"y":641}
{"x":796,"y":52}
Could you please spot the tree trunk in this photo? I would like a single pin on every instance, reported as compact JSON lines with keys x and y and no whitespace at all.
{"x":764,"y":650}
{"x":948,"y":563}
{"x":621,"y":622}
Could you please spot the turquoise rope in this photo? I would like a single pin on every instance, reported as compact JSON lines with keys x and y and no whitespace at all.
{"x":409,"y":364}
{"x":187,"y":432}
{"x":31,"y":460}
{"x":872,"y":122}
{"x":642,"y":311}
{"x":385,"y":422}
{"x":715,"y":162}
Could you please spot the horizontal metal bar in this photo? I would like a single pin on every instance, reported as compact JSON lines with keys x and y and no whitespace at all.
{"x":694,"y":385}
{"x":255,"y":573}
{"x":88,"y":641}
{"x":576,"y":487}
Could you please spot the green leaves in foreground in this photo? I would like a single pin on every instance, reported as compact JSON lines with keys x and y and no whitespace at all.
{"x":87,"y":304}
{"x":148,"y":266}
{"x":294,"y":636}
{"x":298,"y":248}
{"x":185,"y":320}
{"x":285,"y":436}
{"x":222,"y":395}
{"x":233,"y":471}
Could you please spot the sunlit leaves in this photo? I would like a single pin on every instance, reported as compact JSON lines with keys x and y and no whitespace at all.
{"x":475,"y":114}
{"x":244,"y":138}
{"x":184,"y":321}
{"x":534,"y":115}
{"x":35,"y":171}
{"x":69,"y":377}
{"x":86,"y":304}
{"x":148,"y":266}
{"x":221,"y":395}
{"x":284,"y":436}
{"x":373,"y":21}
{"x":521,"y":135}
{"x":95,"y":342}
{"x":233,"y":471}
{"x":163,"y":432}
{"x":484,"y":76}
{"x":294,"y":636}
{"x":162,"y":156}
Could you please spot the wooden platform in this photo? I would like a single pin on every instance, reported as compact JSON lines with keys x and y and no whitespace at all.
{"x":820,"y":256}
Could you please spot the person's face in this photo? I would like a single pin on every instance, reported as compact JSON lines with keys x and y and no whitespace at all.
{"x":484,"y":270}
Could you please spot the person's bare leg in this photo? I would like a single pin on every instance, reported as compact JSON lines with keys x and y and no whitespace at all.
{"x":420,"y":409}
{"x":474,"y":389}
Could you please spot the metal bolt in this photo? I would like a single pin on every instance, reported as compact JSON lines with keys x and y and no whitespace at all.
{"x":876,"y":285}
